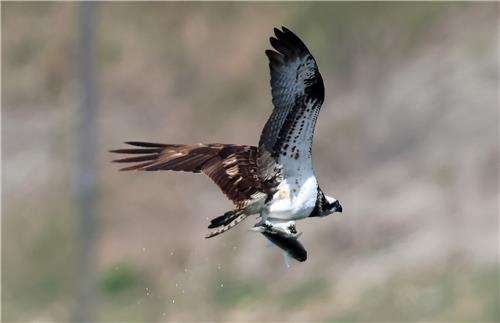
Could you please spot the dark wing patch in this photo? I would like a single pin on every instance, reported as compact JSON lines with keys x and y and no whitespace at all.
{"x":233,"y":168}
{"x":298,"y":92}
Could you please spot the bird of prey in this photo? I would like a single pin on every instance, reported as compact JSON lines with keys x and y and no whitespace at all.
{"x":274,"y":180}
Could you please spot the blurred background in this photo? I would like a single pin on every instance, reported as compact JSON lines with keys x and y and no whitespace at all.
{"x":407,"y":140}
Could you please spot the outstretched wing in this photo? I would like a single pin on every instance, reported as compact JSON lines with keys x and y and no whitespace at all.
{"x":298,"y":92}
{"x":232,"y":167}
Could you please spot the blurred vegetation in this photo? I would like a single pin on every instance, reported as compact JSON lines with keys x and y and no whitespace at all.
{"x":432,"y":297}
{"x":166,"y":65}
{"x":309,"y":291}
{"x":118,"y":280}
{"x":38,"y":268}
{"x":232,"y":293}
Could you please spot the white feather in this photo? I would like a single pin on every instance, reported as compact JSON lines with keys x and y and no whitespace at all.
{"x":294,"y":200}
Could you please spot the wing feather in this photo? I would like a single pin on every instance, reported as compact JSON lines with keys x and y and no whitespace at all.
{"x":298,"y":93}
{"x":233,"y":168}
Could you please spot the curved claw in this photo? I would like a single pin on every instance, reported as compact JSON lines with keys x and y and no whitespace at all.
{"x":284,"y":229}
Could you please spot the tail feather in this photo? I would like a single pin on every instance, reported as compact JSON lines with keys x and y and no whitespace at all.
{"x":240,"y":217}
{"x":224,"y":219}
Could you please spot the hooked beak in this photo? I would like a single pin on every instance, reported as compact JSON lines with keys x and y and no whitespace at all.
{"x":337,"y":207}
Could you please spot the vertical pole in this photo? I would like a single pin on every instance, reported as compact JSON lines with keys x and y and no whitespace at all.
{"x":85,"y":153}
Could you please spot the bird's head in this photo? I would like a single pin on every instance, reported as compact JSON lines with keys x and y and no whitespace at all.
{"x":326,"y":205}
{"x":330,"y":205}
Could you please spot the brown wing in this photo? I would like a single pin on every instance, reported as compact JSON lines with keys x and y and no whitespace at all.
{"x":233,"y":168}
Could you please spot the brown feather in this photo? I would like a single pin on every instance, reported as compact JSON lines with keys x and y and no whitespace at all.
{"x":137,"y":151}
{"x":233,"y":168}
{"x":135,"y":159}
{"x":228,"y":226}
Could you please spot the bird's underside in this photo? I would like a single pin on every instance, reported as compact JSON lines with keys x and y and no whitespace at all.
{"x":274,"y":180}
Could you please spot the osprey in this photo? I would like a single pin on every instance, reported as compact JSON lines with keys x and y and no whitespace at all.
{"x":274,"y":180}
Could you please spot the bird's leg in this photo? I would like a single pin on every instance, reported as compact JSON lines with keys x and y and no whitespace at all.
{"x":285,"y":229}
{"x":263,"y":224}
{"x":292,"y":229}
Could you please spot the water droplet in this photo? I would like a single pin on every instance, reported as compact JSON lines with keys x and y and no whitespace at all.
{"x":182,"y":291}
{"x":163,"y":314}
{"x":173,"y":301}
{"x":219,"y":266}
{"x":171,"y":253}
{"x":176,"y":285}
{"x":222,"y":285}
{"x":143,"y":249}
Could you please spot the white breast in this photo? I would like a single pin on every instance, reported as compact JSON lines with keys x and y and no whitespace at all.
{"x":295,"y":198}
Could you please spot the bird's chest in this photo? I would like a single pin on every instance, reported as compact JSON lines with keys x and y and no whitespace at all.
{"x":295,"y":198}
